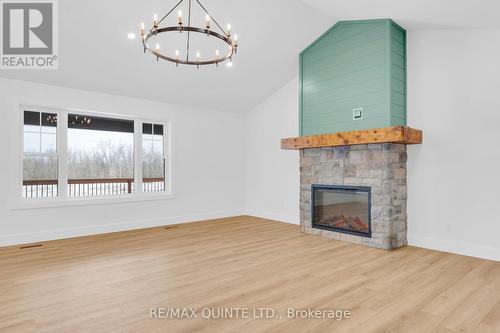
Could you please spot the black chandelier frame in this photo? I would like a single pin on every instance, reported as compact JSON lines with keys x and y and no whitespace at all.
{"x":224,"y":35}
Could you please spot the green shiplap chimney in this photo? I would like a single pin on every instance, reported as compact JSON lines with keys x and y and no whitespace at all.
{"x":354,"y":65}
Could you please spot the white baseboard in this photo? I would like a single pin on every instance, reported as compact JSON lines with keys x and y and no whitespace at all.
{"x":273,"y":216}
{"x":42,"y":236}
{"x":472,"y":250}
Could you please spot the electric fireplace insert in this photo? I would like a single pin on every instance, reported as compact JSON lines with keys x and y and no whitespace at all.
{"x":342,"y":208}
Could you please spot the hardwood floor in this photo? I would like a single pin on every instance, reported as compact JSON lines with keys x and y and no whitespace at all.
{"x":108,"y":283}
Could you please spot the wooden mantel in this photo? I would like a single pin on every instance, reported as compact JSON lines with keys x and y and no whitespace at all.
{"x":396,"y":134}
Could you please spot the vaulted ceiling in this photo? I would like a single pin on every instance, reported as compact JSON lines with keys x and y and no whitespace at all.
{"x":95,"y":53}
{"x":416,"y":14}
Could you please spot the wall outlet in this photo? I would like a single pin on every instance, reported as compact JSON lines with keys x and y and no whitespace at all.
{"x":357,"y":114}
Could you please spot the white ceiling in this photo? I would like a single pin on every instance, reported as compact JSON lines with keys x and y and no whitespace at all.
{"x":95,"y":53}
{"x":416,"y":14}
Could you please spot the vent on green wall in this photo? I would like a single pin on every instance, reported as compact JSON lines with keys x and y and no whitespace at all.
{"x":353,"y":77}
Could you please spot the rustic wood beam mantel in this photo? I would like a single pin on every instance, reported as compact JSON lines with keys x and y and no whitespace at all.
{"x":396,"y":134}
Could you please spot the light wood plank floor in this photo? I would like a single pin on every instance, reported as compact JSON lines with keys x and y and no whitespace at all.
{"x":108,"y":283}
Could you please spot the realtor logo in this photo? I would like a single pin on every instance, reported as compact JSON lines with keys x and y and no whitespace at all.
{"x":29,"y":35}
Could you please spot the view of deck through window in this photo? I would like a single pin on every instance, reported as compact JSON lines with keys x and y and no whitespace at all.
{"x":40,"y":155}
{"x":153,"y":158}
{"x":100,"y":156}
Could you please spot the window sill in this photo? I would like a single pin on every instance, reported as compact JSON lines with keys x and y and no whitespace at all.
{"x":89,"y":201}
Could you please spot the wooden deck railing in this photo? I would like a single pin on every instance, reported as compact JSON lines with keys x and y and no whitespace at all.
{"x":90,"y":187}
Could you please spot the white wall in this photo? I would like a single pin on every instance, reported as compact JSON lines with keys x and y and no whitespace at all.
{"x":453,"y":82}
{"x":271,"y":174}
{"x":207,"y":165}
{"x":453,"y":178}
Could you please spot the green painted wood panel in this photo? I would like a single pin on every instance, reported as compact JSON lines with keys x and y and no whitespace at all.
{"x":398,"y":75}
{"x":355,"y":64}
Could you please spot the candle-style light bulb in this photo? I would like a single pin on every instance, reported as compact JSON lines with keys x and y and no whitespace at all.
{"x":155,"y":20}
{"x":177,"y":54}
{"x":198,"y":55}
{"x":157,"y":50}
{"x":217,"y":53}
{"x":180,"y":17}
{"x":235,"y":43}
{"x":142,"y":29}
{"x":229,"y":29}
{"x":207,"y":21}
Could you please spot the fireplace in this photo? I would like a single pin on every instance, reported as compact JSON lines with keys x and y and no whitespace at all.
{"x":362,"y":196}
{"x":345,"y":209}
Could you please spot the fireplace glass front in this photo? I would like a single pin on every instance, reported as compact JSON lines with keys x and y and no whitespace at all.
{"x":342,"y":209}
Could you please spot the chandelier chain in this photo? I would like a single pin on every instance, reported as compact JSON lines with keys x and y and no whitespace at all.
{"x":170,"y":12}
{"x":213,"y":19}
{"x":189,"y":24}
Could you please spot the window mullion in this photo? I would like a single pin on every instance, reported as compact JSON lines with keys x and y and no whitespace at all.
{"x":40,"y":133}
{"x":40,"y":139}
{"x":138,"y":156}
{"x":62,"y":153}
{"x":167,"y":158}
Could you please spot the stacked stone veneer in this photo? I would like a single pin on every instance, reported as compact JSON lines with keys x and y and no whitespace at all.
{"x":380,"y":166}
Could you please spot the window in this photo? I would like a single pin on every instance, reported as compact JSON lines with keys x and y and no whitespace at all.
{"x":40,"y":155}
{"x":69,"y":155}
{"x":100,"y":156}
{"x":153,"y":158}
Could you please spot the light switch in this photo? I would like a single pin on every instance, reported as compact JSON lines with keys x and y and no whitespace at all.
{"x":357,"y":114}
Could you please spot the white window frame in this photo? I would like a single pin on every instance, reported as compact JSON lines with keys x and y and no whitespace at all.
{"x":23,"y":155}
{"x":62,"y":198}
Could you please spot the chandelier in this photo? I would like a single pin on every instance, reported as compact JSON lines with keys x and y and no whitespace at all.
{"x":213,"y":31}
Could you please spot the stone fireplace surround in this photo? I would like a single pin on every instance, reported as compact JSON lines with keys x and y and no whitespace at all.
{"x":382,"y":166}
